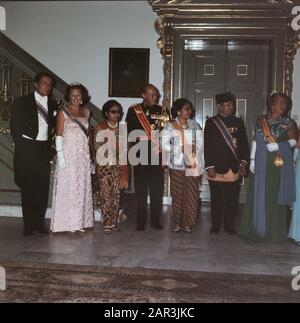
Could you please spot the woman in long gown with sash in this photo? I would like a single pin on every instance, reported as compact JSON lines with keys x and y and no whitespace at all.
{"x":72,"y":206}
{"x":272,"y":185}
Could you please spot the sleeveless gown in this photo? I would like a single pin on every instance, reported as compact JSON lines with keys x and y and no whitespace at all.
{"x":72,"y":207}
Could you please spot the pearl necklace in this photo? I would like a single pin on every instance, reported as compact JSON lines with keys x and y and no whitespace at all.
{"x":111,"y":126}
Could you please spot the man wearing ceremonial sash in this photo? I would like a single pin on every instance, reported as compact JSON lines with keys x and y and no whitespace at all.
{"x":32,"y":122}
{"x":226,"y":157}
{"x":149,"y":177}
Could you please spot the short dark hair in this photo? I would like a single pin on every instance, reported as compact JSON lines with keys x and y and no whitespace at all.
{"x":108,"y":105}
{"x":40,"y":75}
{"x":273,"y":97}
{"x":147,"y":86}
{"x":84,"y":93}
{"x":179,"y":104}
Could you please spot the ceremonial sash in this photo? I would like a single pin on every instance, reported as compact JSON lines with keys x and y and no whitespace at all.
{"x":143,"y":120}
{"x":226,"y":135}
{"x":266,"y":130}
{"x":81,"y":126}
{"x":191,"y":158}
{"x":278,"y":161}
{"x":43,"y":112}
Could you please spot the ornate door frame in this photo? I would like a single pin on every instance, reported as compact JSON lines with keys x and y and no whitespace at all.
{"x":269,"y":20}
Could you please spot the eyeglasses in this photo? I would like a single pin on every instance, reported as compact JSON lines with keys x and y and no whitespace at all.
{"x":114,"y":112}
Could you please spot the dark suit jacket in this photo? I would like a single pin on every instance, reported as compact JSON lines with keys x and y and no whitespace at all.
{"x":133,"y":123}
{"x":24,"y":118}
{"x":216,"y":151}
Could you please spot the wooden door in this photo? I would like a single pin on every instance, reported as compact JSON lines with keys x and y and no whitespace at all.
{"x":212,"y":66}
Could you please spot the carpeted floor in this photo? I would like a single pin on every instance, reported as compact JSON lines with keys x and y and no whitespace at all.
{"x":32,"y":282}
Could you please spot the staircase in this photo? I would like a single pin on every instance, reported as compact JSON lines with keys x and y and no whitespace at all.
{"x":17,"y":70}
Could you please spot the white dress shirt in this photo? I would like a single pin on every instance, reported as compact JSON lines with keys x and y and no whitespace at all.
{"x":43,"y":126}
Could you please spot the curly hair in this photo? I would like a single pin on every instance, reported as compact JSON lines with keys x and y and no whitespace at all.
{"x":108,"y":105}
{"x":178,"y":106}
{"x":273,"y":97}
{"x":84,"y":93}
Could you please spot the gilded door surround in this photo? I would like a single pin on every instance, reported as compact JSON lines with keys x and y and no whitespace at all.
{"x":269,"y":20}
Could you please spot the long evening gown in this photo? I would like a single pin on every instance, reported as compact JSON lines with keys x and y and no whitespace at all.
{"x":72,"y":207}
{"x":274,"y":217}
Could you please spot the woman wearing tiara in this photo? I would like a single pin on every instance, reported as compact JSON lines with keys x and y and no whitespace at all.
{"x":272,"y":186}
{"x":72,"y":207}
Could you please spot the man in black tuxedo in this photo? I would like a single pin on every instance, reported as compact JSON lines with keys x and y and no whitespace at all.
{"x":226,"y":151}
{"x":31,"y":124}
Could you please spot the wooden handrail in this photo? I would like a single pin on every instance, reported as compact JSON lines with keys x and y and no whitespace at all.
{"x":31,"y":66}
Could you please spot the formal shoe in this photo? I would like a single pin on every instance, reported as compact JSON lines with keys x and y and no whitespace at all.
{"x":107,"y":230}
{"x":214,"y":231}
{"x":115,"y":228}
{"x":157,"y":226}
{"x":177,"y":228}
{"x":231,"y":231}
{"x":138,"y":228}
{"x":187,"y":229}
{"x":28,"y":233}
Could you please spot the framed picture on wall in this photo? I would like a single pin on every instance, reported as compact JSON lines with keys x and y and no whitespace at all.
{"x":128,"y":71}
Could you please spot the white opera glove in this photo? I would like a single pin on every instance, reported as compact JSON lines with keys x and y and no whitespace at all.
{"x":61,"y":162}
{"x":292,"y":143}
{"x":252,"y":166}
{"x":252,"y":156}
{"x":296,"y":153}
{"x":272,"y":147}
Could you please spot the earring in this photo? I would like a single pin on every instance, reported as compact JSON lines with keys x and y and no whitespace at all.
{"x":81,"y":102}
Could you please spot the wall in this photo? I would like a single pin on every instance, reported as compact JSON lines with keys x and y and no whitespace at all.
{"x":80,"y":34}
{"x":73,"y":38}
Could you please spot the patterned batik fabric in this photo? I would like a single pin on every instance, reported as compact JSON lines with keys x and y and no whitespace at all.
{"x":109,"y":194}
{"x":185,"y":198}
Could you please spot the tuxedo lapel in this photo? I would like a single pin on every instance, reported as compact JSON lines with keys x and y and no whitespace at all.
{"x":32,"y":110}
{"x":51,"y":107}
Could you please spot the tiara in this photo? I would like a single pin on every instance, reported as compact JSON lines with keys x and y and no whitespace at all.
{"x":75,"y":84}
{"x":275,"y":92}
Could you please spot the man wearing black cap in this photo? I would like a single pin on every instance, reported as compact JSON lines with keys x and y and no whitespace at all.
{"x":226,"y":152}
